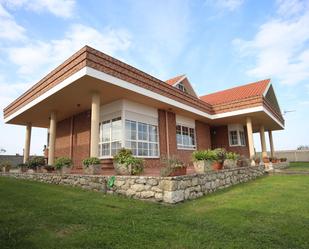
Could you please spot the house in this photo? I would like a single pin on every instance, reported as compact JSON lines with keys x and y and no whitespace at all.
{"x":93,"y":104}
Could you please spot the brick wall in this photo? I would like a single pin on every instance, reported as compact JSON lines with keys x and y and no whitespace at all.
{"x":219,"y":138}
{"x":77,"y":144}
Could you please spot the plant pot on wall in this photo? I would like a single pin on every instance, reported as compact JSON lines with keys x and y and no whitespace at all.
{"x":229,"y":164}
{"x":173,"y":171}
{"x":202,"y":166}
{"x":266,"y":160}
{"x":217,"y":165}
{"x":122,"y":168}
{"x":93,"y":169}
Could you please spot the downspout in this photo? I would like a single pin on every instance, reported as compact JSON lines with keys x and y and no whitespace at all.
{"x":167,"y":136}
{"x":71,"y":137}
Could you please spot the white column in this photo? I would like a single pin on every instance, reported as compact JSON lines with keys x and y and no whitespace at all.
{"x":95,"y":124}
{"x":52,"y":138}
{"x":271,"y":143}
{"x":263,"y":143}
{"x":27,"y":143}
{"x":250,"y":139}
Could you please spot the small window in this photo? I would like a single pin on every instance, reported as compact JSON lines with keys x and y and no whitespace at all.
{"x":233,"y":138}
{"x":185,"y":137}
{"x":181,"y":87}
{"x":237,"y":136}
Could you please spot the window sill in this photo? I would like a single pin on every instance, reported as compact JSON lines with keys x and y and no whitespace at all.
{"x":186,"y":149}
{"x":237,"y":145}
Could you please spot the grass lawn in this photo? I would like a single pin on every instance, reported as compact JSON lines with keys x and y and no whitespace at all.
{"x":299,"y":166}
{"x":271,"y":212}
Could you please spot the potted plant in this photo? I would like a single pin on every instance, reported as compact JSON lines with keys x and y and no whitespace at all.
{"x":274,"y":160}
{"x":231,"y":160}
{"x":35,"y":164}
{"x":173,"y":167}
{"x":219,"y":159}
{"x":243,"y":162}
{"x":202,"y":160}
{"x":92,"y":165}
{"x":125,"y":164}
{"x":63,"y":165}
{"x":283,"y":159}
{"x":22,"y":167}
{"x":48,"y":168}
{"x":266,"y":159}
{"x":257,"y":160}
{"x":6,"y":166}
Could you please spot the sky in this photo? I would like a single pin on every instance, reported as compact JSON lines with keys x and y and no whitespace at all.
{"x":217,"y":44}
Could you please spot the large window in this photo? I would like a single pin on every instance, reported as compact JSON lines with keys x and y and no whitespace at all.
{"x":185,"y":137}
{"x":142,"y":139}
{"x":110,"y":137}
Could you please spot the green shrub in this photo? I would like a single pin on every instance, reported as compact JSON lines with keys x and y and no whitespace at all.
{"x":202,"y":155}
{"x":125,"y":157}
{"x":171,"y":164}
{"x":91,"y":161}
{"x":61,"y":162}
{"x":136,"y":164}
{"x":232,"y":156}
{"x":220,"y":155}
{"x":6,"y":165}
{"x":122,"y":156}
{"x":35,"y":162}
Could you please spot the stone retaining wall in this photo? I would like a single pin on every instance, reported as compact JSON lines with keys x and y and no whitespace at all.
{"x":159,"y":189}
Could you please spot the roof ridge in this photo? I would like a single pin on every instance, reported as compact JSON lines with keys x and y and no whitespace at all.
{"x":239,"y":86}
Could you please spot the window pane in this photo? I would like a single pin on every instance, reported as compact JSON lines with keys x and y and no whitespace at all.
{"x":153,"y":149}
{"x":115,"y":147}
{"x":153,"y":133}
{"x":192,"y":137}
{"x":106,"y":149}
{"x":142,"y":131}
{"x":116,"y":129}
{"x":106,"y":131}
{"x":142,"y":149}
{"x":233,"y":138}
{"x":242,"y":138}
{"x":132,"y":147}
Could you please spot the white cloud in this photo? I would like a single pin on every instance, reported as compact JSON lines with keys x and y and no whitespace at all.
{"x":62,"y":8}
{"x":290,"y":7}
{"x":280,"y":49}
{"x":229,"y":5}
{"x":38,"y":55}
{"x":9,"y":29}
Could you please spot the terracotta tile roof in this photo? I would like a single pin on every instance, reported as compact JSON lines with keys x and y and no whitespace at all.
{"x":172,"y":81}
{"x":237,"y":93}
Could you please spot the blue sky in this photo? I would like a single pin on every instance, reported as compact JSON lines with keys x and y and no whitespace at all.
{"x":217,"y":44}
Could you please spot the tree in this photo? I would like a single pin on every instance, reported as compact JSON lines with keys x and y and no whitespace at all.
{"x":303,"y":147}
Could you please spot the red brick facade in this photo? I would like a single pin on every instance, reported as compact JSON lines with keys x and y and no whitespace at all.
{"x":73,"y":139}
{"x":220,"y":139}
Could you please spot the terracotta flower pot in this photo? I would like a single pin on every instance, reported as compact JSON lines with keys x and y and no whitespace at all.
{"x":179,"y":171}
{"x":266,"y":160}
{"x":217,"y":165}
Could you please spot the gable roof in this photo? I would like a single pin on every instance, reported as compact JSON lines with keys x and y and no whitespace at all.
{"x":174,"y":80}
{"x":237,"y":93}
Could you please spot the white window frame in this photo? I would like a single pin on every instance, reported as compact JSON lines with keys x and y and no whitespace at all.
{"x":101,"y":142}
{"x":144,"y":141}
{"x":182,"y":146}
{"x":238,"y":128}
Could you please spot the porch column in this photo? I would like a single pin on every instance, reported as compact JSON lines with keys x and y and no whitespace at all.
{"x":263,"y":143}
{"x":271,"y":143}
{"x":250,"y":139}
{"x":27,"y":143}
{"x":52,"y":138}
{"x":95,"y":122}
